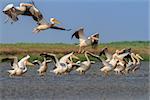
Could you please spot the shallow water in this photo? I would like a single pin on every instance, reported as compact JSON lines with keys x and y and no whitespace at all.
{"x":91,"y":86}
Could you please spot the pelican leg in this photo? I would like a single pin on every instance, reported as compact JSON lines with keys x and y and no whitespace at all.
{"x":36,"y":31}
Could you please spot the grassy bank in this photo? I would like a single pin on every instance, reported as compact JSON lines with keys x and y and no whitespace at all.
{"x":34,"y":49}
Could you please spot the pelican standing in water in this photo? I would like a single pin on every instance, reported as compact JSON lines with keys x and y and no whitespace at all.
{"x":45,"y":26}
{"x":18,"y":68}
{"x":61,"y":65}
{"x":83,"y":41}
{"x":85,"y":65}
{"x":113,"y":62}
{"x":43,"y":66}
{"x":134,"y":63}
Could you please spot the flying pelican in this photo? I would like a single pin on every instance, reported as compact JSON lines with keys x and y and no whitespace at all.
{"x":61,"y":65}
{"x":18,"y":68}
{"x":85,"y":65}
{"x":43,"y":66}
{"x":45,"y":26}
{"x":83,"y":41}
{"x":30,"y":10}
{"x":25,"y":9}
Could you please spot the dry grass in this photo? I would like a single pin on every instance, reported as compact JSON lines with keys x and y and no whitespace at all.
{"x":20,"y":49}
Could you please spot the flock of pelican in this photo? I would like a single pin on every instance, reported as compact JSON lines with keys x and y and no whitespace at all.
{"x":25,"y":9}
{"x":121,"y":62}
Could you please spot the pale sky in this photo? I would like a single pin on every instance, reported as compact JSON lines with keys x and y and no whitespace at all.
{"x":114,"y":20}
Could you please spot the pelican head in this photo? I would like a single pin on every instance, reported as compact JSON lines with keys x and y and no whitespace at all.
{"x":117,"y":51}
{"x":137,"y":55}
{"x":54,"y":21}
{"x":75,"y":57}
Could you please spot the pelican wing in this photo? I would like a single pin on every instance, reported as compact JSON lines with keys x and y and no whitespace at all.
{"x":104,"y":62}
{"x":121,"y":56}
{"x":108,"y":55}
{"x":95,"y":39}
{"x":13,"y":60}
{"x":49,"y":55}
{"x":11,"y":15}
{"x":37,"y":62}
{"x":60,"y":28}
{"x":48,"y":61}
{"x":65,"y":57}
{"x":37,"y":16}
{"x":75,"y":66}
{"x":79,"y":34}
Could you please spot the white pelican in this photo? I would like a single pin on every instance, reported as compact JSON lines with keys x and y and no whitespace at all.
{"x":135,"y":63}
{"x":121,"y":65}
{"x":113,"y":60}
{"x":83,"y":41}
{"x":43,"y":66}
{"x":106,"y":53}
{"x":26,"y":9}
{"x":45,"y":26}
{"x":85,"y":65}
{"x":107,"y":67}
{"x":18,"y":68}
{"x":61,"y":65}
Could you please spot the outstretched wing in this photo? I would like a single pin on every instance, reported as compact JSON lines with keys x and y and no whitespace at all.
{"x":37,"y":62}
{"x":8,"y":11}
{"x":13,"y":60}
{"x":79,"y":33}
{"x":60,"y":28}
{"x":106,"y":53}
{"x":95,"y":39}
{"x":104,"y":62}
{"x":37,"y":15}
{"x":49,"y":55}
{"x":121,"y":56}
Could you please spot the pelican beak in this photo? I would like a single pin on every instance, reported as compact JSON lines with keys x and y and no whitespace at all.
{"x":56,"y":21}
{"x":139,"y":57}
{"x":75,"y":57}
{"x":29,"y":64}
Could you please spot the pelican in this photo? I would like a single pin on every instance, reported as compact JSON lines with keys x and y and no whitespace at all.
{"x":85,"y":65}
{"x":106,"y":53}
{"x":24,"y":9}
{"x":113,"y":61}
{"x":121,"y":65}
{"x":61,"y":65}
{"x":136,"y":62}
{"x":45,"y":26}
{"x":83,"y":41}
{"x":18,"y":68}
{"x":107,"y":67}
{"x":43,"y":66}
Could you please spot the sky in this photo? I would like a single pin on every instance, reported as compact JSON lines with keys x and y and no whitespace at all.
{"x":114,"y":20}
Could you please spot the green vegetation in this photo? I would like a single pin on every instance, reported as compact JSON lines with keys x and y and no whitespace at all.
{"x":34,"y":49}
